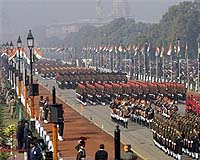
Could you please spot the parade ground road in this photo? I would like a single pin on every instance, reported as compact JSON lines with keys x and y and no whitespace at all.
{"x":138,"y":136}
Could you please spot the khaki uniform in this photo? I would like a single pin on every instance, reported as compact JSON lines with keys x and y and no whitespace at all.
{"x":8,"y":101}
{"x":12,"y":105}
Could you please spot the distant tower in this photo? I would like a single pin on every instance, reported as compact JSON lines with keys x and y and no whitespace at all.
{"x":120,"y":8}
{"x":99,"y":10}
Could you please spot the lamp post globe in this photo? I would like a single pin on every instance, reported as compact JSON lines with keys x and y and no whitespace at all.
{"x":30,"y":40}
{"x":19,"y":43}
{"x":11,"y":45}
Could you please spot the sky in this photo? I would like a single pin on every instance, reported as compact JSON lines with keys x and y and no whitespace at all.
{"x":21,"y":15}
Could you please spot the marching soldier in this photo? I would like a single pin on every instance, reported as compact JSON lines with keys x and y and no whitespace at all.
{"x":12,"y":105}
{"x":178,"y":145}
{"x":195,"y":144}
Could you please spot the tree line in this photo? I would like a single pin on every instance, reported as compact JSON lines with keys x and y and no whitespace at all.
{"x":180,"y":23}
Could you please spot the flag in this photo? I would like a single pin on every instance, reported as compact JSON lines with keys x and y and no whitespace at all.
{"x":136,"y":50}
{"x":19,"y":54}
{"x":96,"y":49}
{"x":186,"y":50}
{"x":110,"y":48}
{"x":105,"y":48}
{"x":142,"y":50}
{"x":124,"y":50}
{"x":37,"y":54}
{"x":116,"y":50}
{"x":4,"y":52}
{"x":199,"y":52}
{"x":148,"y":48}
{"x":12,"y":54}
{"x":26,"y":58}
{"x":178,"y":50}
{"x":120,"y":49}
{"x":157,"y":51}
{"x":129,"y":47}
{"x":169,"y":50}
{"x":100,"y":48}
{"x":162,"y":52}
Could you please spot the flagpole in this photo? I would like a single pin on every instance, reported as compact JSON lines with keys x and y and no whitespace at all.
{"x":134,"y":65}
{"x":171,"y":69}
{"x":112,"y":60}
{"x":163,"y":68}
{"x":188,"y":80}
{"x":125,"y":60}
{"x":198,"y":51}
{"x":144,"y":78}
{"x":129,"y":66}
{"x":179,"y":66}
{"x":139,"y":65}
{"x":96,"y":59}
{"x":115,"y":59}
{"x":156,"y":68}
{"x":150,"y":67}
{"x":198,"y":74}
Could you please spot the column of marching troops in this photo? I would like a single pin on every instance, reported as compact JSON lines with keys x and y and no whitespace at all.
{"x":136,"y":109}
{"x":173,"y":133}
{"x":177,"y":135}
{"x":141,"y":110}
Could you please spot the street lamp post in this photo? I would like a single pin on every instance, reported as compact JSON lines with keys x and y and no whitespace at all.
{"x":30,"y":43}
{"x":19,"y":45}
{"x":12,"y":71}
{"x":117,"y":142}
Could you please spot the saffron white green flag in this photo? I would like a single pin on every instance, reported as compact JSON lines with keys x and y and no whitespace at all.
{"x":26,"y":58}
{"x":162,"y":52}
{"x":169,"y":50}
{"x":157,"y":52}
{"x":12,"y":54}
{"x":20,"y":54}
{"x":120,"y":49}
{"x":37,"y":54}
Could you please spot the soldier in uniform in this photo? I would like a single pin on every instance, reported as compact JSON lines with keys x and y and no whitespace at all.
{"x":8,"y":101}
{"x":195,"y":144}
{"x":41,"y":105}
{"x":12,"y":105}
{"x":46,"y":109}
{"x":81,"y":154}
{"x":178,"y":145}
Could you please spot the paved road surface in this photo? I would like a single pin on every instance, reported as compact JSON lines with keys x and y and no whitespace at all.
{"x":138,"y":136}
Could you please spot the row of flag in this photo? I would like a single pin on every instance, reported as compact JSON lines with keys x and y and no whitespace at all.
{"x":15,"y":54}
{"x":146,"y":48}
{"x":138,"y":49}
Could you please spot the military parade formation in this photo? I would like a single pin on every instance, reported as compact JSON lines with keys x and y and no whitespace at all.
{"x":151,"y":104}
{"x":177,"y":135}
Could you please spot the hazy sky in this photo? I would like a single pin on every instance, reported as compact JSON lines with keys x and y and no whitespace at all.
{"x":20,"y":15}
